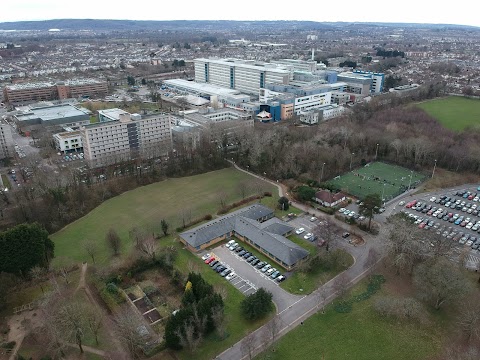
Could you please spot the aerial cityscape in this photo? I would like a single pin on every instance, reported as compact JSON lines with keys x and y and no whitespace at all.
{"x":262,"y":188}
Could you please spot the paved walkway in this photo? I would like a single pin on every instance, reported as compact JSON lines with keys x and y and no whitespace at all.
{"x":295,"y":314}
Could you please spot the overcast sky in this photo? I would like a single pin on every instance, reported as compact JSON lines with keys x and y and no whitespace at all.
{"x":463,"y":12}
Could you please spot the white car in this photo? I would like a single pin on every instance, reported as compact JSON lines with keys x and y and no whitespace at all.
{"x":313,"y":218}
{"x":476,"y":198}
{"x":230,"y":243}
{"x":308,"y":236}
{"x":469,"y":226}
{"x":300,"y":231}
{"x":230,"y":276}
{"x":205,"y":257}
{"x":234,"y":246}
{"x":341,"y":210}
{"x":346,"y":212}
{"x":433,"y":198}
{"x":401,"y":203}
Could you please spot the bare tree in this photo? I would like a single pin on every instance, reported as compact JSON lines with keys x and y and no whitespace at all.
{"x":91,"y":249}
{"x":185,"y":216}
{"x":222,"y":198}
{"x":113,"y":241}
{"x":273,"y":328}
{"x":149,"y":247}
{"x":248,"y":345}
{"x":37,"y":273}
{"x":321,"y":296}
{"x":137,"y":236}
{"x":189,"y":337}
{"x":469,"y":321}
{"x":243,"y":188}
{"x":218,"y":317}
{"x":94,"y":319}
{"x":127,"y":325}
{"x":61,"y":267}
{"x":341,"y":283}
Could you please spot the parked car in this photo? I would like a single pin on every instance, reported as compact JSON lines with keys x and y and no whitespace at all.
{"x":226,"y":272}
{"x":255,"y":262}
{"x":270,"y":271}
{"x":241,"y":253}
{"x":260,"y":265}
{"x":280,"y":278}
{"x":275,"y":274}
{"x":205,"y":257}
{"x":299,"y":231}
{"x":266,"y":267}
{"x":230,"y":276}
{"x":313,"y":218}
{"x":209,"y":260}
{"x":308,"y":236}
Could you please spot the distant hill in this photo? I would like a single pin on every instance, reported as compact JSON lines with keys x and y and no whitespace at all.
{"x":136,"y":25}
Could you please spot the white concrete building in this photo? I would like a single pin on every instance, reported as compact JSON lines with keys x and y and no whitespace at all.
{"x":124,"y":139}
{"x":311,"y":102}
{"x":68,"y":141}
{"x":243,"y":75}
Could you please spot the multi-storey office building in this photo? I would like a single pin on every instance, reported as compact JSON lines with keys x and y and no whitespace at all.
{"x":27,"y":92}
{"x":243,"y":75}
{"x":124,"y":139}
{"x":68,"y":141}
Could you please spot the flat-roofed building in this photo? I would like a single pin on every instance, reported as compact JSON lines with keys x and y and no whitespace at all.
{"x":68,"y":141}
{"x":65,"y":115}
{"x":27,"y":92}
{"x":243,"y":75}
{"x":110,"y":114}
{"x":131,"y":136}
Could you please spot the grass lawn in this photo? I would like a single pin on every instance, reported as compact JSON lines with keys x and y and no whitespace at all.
{"x":145,"y":207}
{"x":6,"y":182}
{"x":377,"y":177}
{"x":454,"y":112}
{"x":304,"y":283}
{"x":360,"y":335}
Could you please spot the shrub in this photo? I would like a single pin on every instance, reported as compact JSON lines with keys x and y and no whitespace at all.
{"x":326,"y":210}
{"x":267,"y":194}
{"x":9,"y":345}
{"x":208,"y":217}
{"x":400,"y":308}
{"x":112,"y":288}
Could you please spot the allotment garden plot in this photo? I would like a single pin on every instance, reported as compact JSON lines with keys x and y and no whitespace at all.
{"x":379,"y":178}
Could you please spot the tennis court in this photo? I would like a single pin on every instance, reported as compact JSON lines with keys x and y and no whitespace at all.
{"x":377,"y":177}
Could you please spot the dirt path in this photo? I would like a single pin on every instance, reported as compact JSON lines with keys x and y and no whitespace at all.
{"x":19,"y":329}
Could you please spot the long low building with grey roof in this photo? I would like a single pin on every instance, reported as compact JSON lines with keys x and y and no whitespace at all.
{"x":255,"y":225}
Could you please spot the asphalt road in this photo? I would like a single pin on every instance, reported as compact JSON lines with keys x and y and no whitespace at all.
{"x":296,"y":313}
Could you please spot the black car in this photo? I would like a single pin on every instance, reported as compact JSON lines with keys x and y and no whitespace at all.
{"x":246,"y":255}
{"x":250,"y":259}
{"x":213,"y":263}
{"x":241,"y":253}
{"x":220,"y":268}
{"x":255,"y":262}
{"x":238,"y":249}
{"x":216,"y":266}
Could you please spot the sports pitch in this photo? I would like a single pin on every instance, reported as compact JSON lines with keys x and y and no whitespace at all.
{"x":454,"y":112}
{"x":379,"y":178}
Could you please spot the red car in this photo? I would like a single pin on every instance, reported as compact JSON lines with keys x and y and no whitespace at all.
{"x":209,"y":260}
{"x":422,"y":225}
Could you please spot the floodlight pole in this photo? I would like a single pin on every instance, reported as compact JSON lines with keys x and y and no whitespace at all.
{"x":321,"y":176}
{"x":376,"y":152}
{"x":434,"y":167}
{"x":351,"y":159}
{"x":410,"y":182}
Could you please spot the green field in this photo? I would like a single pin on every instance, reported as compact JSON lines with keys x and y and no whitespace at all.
{"x":146,"y":206}
{"x":360,"y":335}
{"x":377,"y":177}
{"x":454,"y":112}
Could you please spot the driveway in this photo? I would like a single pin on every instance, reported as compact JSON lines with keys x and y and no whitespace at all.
{"x":282,"y":298}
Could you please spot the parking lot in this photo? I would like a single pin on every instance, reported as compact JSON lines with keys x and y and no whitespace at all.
{"x":249,"y":279}
{"x":453,"y":214}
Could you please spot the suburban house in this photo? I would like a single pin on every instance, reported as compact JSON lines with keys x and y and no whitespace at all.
{"x":255,"y":225}
{"x":327,"y":199}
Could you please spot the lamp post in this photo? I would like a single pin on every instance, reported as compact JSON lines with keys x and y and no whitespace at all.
{"x":351,"y":159}
{"x":434,"y":167}
{"x":383,"y":192}
{"x":321,"y":176}
{"x":410,"y":182}
{"x":376,"y":152}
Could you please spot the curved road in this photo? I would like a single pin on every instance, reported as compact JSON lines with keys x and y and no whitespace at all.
{"x":310,"y":304}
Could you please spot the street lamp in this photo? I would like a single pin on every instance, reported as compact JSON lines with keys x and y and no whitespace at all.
{"x":376,"y":152}
{"x":351,"y":159}
{"x":321,"y":176}
{"x":383,"y":192}
{"x":434,"y":167}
